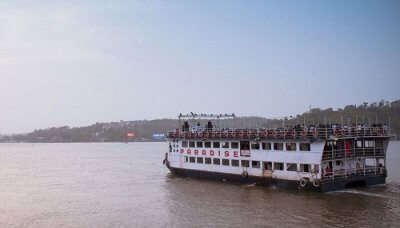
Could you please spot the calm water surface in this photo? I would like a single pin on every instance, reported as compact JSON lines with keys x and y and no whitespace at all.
{"x":125,"y":185}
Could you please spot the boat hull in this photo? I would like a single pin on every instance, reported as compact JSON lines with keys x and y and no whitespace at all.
{"x":280,"y":183}
{"x":352,"y":182}
{"x":262,"y":181}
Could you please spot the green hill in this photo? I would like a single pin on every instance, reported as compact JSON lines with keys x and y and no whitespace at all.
{"x":379,"y":112}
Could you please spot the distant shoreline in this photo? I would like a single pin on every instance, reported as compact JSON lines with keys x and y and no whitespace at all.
{"x":83,"y":142}
{"x":392,"y":140}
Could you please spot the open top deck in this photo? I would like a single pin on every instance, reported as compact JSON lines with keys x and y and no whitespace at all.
{"x":299,"y":133}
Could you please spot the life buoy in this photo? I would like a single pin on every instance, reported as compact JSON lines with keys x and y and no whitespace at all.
{"x":303,"y":182}
{"x":316,"y":183}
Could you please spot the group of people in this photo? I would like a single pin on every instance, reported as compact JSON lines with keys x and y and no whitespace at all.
{"x":186,"y":127}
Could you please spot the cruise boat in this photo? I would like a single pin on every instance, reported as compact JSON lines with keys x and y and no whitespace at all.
{"x":321,"y":158}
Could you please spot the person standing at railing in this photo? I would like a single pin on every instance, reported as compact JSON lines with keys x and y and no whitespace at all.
{"x":209,"y":126}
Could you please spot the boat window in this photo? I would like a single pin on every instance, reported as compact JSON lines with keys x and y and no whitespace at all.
{"x":186,"y":159}
{"x":278,"y":166}
{"x":291,"y":167}
{"x":255,"y":164}
{"x":199,"y":160}
{"x":305,"y":147}
{"x":369,"y":143}
{"x":381,"y":162}
{"x":266,"y":146}
{"x":244,"y":145}
{"x":192,"y":159}
{"x":316,"y":169}
{"x":370,"y":162}
{"x":184,"y":144}
{"x":268,"y":165}
{"x":207,"y":160}
{"x":225,"y":162}
{"x":245,"y":163}
{"x":235,"y":162}
{"x":278,"y":146}
{"x":330,"y":145}
{"x":207,"y":144}
{"x":234,"y":145}
{"x":255,"y":146}
{"x":199,"y":144}
{"x":216,"y":161}
{"x":359,"y":144}
{"x":225,"y":145}
{"x":216,"y":145}
{"x":191,"y":144}
{"x":379,"y":144}
{"x":291,"y":146}
{"x":305,"y":168}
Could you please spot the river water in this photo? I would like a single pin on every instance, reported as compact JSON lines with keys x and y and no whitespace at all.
{"x":126,"y":185}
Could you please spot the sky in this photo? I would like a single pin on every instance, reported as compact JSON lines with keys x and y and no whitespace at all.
{"x":80,"y":62}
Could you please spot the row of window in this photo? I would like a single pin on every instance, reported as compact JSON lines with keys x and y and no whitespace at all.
{"x":290,"y":146}
{"x":201,"y":144}
{"x":254,"y":164}
{"x":367,"y":143}
{"x":349,"y":144}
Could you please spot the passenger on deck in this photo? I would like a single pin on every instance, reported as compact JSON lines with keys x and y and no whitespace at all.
{"x":185,"y":126}
{"x":209,"y":126}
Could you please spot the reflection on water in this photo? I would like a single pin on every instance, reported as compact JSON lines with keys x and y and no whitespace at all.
{"x":125,"y":185}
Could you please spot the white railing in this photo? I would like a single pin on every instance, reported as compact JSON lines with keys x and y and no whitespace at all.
{"x":281,"y":133}
{"x":347,"y":173}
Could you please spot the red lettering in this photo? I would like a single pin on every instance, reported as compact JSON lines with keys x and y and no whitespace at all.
{"x":226,"y":153}
{"x":188,"y":151}
{"x":211,"y":153}
{"x":196,"y":152}
{"x":235,"y":154}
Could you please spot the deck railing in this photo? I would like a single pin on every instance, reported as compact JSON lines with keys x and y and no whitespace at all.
{"x":344,"y":174}
{"x":281,"y":133}
{"x":353,"y":153}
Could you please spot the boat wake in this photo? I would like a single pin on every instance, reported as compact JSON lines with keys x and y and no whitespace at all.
{"x":358,"y":192}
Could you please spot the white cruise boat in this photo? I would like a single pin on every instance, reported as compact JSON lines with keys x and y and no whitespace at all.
{"x":323,"y":158}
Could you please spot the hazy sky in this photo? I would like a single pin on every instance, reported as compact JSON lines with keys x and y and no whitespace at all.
{"x":80,"y":62}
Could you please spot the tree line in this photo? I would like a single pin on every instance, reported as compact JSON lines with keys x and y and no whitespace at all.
{"x":382,"y":112}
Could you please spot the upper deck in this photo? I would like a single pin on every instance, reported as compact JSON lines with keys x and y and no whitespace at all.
{"x":295,"y":133}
